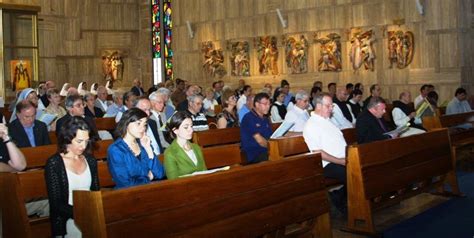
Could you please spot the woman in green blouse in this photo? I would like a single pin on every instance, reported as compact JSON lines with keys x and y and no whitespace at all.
{"x":182,"y":157}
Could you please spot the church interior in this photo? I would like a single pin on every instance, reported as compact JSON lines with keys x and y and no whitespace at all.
{"x":411,"y":56}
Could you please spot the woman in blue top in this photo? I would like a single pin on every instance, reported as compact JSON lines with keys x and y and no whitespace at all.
{"x":131,"y":158}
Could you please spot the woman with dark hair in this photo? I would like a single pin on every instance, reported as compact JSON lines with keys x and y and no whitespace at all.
{"x":228,"y":117}
{"x":182,"y":157}
{"x":71,"y":168}
{"x":90,"y":109}
{"x":131,"y":158}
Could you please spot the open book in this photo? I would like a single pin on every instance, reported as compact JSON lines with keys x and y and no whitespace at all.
{"x":210,"y":171}
{"x":45,"y":117}
{"x":282,"y":129}
{"x":422,"y":108}
{"x":398,"y":131}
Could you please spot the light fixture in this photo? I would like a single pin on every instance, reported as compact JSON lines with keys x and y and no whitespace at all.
{"x":282,"y":21}
{"x":190,"y":29}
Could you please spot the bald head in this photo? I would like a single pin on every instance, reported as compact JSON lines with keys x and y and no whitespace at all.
{"x":341,"y":94}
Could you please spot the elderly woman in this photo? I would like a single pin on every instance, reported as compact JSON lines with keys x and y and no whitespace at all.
{"x":131,"y":158}
{"x":91,"y":110}
{"x":54,"y":108}
{"x":71,"y":168}
{"x":182,"y":157}
{"x":228,"y":117}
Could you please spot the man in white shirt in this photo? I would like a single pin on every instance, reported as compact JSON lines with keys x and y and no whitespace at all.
{"x":298,"y":113}
{"x":158,"y":115}
{"x":459,"y":103}
{"x":424,"y":90}
{"x":403,"y":114}
{"x":320,"y":134}
{"x":342,"y":116}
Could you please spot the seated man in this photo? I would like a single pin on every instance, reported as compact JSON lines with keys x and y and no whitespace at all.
{"x":129,"y":100}
{"x":117,"y":105}
{"x":370,"y":125}
{"x":458,"y":104}
{"x":145,"y":105}
{"x":298,"y":113}
{"x":194,"y":110}
{"x":255,"y":130}
{"x":25,"y":130}
{"x":158,"y":101}
{"x":246,"y":108}
{"x":101,"y":101}
{"x":341,"y":114}
{"x":321,"y":135}
{"x":403,"y":114}
{"x":75,"y":107}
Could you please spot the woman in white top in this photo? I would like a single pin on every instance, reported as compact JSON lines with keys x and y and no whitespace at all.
{"x":209,"y":103}
{"x":71,"y":168}
{"x":278,"y":110}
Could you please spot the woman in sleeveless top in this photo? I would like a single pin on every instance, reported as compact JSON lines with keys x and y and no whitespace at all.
{"x":228,"y":117}
{"x":71,"y":168}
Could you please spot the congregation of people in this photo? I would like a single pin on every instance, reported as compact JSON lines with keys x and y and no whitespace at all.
{"x":161,"y":121}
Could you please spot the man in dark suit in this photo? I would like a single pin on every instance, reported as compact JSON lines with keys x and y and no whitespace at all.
{"x":370,"y":126}
{"x":26,"y":131}
{"x":137,"y":88}
{"x":75,"y":107}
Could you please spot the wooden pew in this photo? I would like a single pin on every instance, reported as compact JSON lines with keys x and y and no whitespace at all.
{"x":16,"y":188}
{"x":283,"y":147}
{"x":245,"y":201}
{"x":219,"y":156}
{"x":52,"y":137}
{"x":105,"y":123}
{"x":459,"y":137}
{"x":382,"y":173}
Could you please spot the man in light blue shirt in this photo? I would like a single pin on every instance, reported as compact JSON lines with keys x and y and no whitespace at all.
{"x":459,"y":103}
{"x":247,"y":107}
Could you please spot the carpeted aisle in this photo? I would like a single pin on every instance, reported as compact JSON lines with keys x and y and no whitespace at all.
{"x":454,"y":218}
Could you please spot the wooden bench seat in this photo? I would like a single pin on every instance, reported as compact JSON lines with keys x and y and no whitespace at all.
{"x":105,"y":123}
{"x":243,"y":202}
{"x":383,"y":173}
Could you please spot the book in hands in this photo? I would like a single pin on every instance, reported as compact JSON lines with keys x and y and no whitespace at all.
{"x":398,"y":131}
{"x":282,"y":129}
{"x":46,"y":117}
{"x":422,"y":108}
{"x":209,"y":171}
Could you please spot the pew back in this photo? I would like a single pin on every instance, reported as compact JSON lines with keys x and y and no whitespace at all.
{"x":266,"y":197}
{"x":105,"y":123}
{"x":385,"y":167}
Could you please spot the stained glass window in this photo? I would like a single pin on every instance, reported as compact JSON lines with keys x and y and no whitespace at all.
{"x":162,"y":25}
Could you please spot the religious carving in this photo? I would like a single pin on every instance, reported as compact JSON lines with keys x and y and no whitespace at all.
{"x":296,"y":54}
{"x":267,"y":54}
{"x":331,"y":57}
{"x":213,"y":60}
{"x":239,"y":58}
{"x":112,"y":65}
{"x":400,"y":48}
{"x":362,"y":51}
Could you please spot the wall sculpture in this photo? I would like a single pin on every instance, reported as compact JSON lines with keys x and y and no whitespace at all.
{"x":267,"y":55}
{"x":331,"y":58}
{"x":213,"y":60}
{"x":362,"y":51}
{"x":296,"y":51}
{"x":239,"y":58}
{"x":112,"y":65}
{"x":400,"y":48}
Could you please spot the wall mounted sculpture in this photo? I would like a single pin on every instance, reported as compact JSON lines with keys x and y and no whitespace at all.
{"x":112,"y":64}
{"x":296,"y":51}
{"x":362,"y":51}
{"x":213,"y":60}
{"x":239,"y":58}
{"x":267,"y":54}
{"x":330,"y":52}
{"x":400,"y":48}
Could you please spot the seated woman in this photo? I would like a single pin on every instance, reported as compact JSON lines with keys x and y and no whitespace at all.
{"x":131,"y":158}
{"x":228,"y":117}
{"x":91,"y":110}
{"x":54,"y":106}
{"x":71,"y":168}
{"x":182,"y":157}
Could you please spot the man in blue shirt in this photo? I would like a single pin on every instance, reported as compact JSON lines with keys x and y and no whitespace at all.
{"x":245,"y":108}
{"x":26,"y":131}
{"x":255,"y":130}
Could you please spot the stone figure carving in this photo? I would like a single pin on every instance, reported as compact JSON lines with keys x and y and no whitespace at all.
{"x":362,"y":51}
{"x":400,"y":48}
{"x":296,"y":54}
{"x":112,"y":65}
{"x":267,"y":55}
{"x":213,"y":60}
{"x":239,"y":58}
{"x":331,"y":58}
